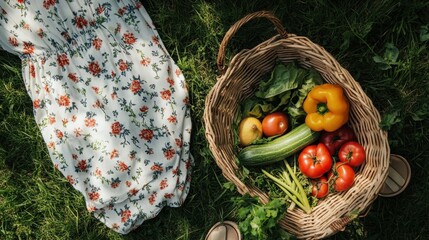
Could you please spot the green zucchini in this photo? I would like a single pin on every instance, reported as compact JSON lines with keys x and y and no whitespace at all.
{"x":279,"y":148}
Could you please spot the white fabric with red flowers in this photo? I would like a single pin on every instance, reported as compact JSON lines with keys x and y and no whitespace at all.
{"x":110,"y":102}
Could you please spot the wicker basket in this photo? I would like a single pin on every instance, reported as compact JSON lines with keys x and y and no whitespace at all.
{"x":238,"y":82}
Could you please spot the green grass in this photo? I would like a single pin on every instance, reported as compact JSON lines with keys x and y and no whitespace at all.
{"x":36,"y":202}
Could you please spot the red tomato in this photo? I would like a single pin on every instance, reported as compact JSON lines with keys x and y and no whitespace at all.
{"x":275,"y":123}
{"x":352,"y":153}
{"x":334,"y":140}
{"x":342,"y":176}
{"x":320,"y":188}
{"x":315,"y":160}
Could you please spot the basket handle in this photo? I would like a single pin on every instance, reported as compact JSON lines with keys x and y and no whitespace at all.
{"x":234,"y":28}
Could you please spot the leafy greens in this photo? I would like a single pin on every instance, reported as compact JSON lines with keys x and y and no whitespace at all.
{"x":285,"y":90}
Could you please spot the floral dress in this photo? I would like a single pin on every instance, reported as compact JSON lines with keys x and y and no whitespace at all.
{"x":111,"y":104}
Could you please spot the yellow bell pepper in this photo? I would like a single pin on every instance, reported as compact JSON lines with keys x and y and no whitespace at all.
{"x":327,"y":108}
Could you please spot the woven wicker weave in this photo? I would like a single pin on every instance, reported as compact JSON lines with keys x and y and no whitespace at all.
{"x":238,"y":82}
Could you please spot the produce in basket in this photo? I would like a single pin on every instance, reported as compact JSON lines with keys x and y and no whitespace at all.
{"x":250,"y":129}
{"x":352,"y":153}
{"x":289,"y":183}
{"x":341,"y":177}
{"x":236,"y":85}
{"x":315,"y":160}
{"x":320,"y":187}
{"x":334,"y":140}
{"x":327,"y":108}
{"x":279,"y":148}
{"x":283,"y":92}
{"x":275,"y":124}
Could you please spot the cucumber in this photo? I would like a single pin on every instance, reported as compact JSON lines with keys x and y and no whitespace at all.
{"x":279,"y":148}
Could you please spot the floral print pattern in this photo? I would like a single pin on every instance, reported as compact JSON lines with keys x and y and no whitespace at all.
{"x":111,"y":104}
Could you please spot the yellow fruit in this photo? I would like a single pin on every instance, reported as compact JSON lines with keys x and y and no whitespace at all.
{"x":249,"y":130}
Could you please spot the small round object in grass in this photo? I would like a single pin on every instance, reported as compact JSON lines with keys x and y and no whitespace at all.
{"x":224,"y":230}
{"x":398,"y":178}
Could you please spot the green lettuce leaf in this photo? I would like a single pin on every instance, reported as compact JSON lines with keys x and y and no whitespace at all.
{"x":283,"y":78}
{"x":295,"y":108}
{"x":285,"y":90}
